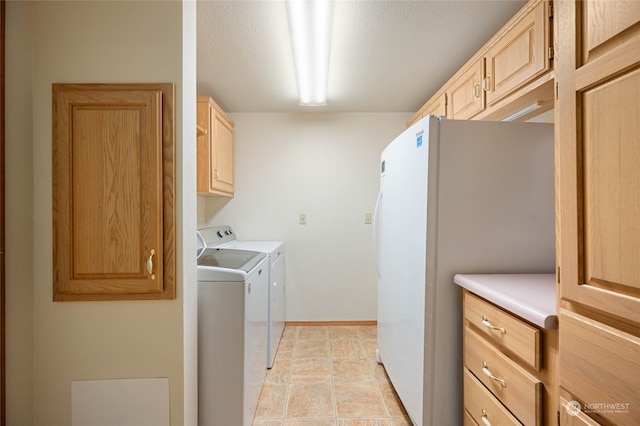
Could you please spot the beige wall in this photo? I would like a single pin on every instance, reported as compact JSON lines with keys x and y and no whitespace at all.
{"x":51,"y":344}
{"x":326,"y":166}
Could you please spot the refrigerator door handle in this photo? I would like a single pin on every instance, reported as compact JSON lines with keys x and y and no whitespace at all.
{"x":375,"y":232}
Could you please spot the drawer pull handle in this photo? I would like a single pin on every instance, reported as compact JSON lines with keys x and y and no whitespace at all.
{"x":487,"y":372}
{"x":484,"y":418}
{"x":486,"y":323}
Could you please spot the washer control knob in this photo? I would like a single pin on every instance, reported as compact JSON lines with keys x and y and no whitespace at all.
{"x":220,"y":234}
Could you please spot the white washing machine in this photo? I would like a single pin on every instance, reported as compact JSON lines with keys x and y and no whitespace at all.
{"x":232,"y":329}
{"x":225,"y":237}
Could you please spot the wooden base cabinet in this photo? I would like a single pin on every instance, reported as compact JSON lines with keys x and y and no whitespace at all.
{"x":509,"y":367}
{"x":215,"y":155}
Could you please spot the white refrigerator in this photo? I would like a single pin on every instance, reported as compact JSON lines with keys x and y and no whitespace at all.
{"x":455,"y":197}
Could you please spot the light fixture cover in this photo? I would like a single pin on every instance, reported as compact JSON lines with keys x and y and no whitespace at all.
{"x":310,"y":25}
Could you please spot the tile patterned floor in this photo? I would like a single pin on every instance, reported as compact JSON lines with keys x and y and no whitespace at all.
{"x":328,"y":376}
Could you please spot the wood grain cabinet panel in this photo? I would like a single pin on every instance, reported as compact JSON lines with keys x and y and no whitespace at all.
{"x":610,"y":199}
{"x":597,"y":142}
{"x":112,"y":150}
{"x":605,"y":23}
{"x":607,"y":388}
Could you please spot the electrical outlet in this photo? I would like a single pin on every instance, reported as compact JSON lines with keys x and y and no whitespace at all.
{"x":302,"y":219}
{"x":367,"y":218}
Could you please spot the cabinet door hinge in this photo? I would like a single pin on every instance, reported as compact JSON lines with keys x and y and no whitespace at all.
{"x":446,"y":99}
{"x":550,"y":52}
{"x":556,"y":90}
{"x":558,"y":274}
{"x":550,"y":10}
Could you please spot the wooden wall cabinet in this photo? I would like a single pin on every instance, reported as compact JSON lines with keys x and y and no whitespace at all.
{"x":598,"y":181}
{"x":465,"y":93}
{"x":113,"y":192}
{"x":215,"y":176}
{"x":437,"y":105}
{"x":511,"y":72}
{"x":518,"y":55}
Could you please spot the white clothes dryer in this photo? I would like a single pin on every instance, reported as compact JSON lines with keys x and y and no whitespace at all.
{"x":225,"y":237}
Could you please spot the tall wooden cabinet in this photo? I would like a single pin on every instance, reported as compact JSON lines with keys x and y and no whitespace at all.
{"x":598,"y":176}
{"x":215,"y":150}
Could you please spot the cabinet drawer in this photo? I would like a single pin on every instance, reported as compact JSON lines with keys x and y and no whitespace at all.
{"x":599,"y":364}
{"x":513,"y":386}
{"x":504,"y":329}
{"x":571,"y":416}
{"x":484,"y":407}
{"x":468,"y":419}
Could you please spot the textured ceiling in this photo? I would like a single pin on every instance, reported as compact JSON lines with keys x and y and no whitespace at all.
{"x":387,"y":56}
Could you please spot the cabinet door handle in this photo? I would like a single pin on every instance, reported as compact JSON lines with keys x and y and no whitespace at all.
{"x":489,"y":374}
{"x":150,"y":265}
{"x":476,"y":91}
{"x":484,"y":418}
{"x":486,"y":323}
{"x":486,"y":83}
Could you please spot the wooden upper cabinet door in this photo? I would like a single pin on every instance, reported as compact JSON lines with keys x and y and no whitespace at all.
{"x":222,"y":152}
{"x":215,"y":150}
{"x":519,"y":55}
{"x":438,"y":107}
{"x":604,"y":21}
{"x":465,"y":94}
{"x":610,"y":33}
{"x":609,"y":278}
{"x":599,"y":148}
{"x":108,"y":193}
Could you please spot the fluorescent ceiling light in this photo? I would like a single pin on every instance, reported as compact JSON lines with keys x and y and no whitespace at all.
{"x":310,"y":23}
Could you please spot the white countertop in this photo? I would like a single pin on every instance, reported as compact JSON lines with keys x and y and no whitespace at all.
{"x":530,"y":296}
